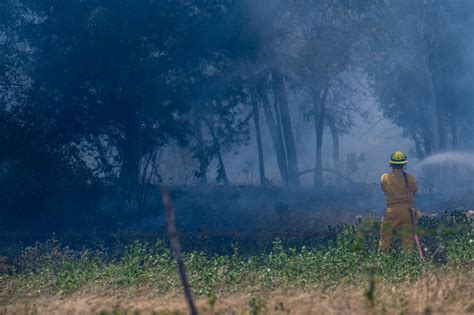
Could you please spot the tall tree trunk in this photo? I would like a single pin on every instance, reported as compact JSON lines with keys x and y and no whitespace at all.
{"x":335,"y":141}
{"x":256,"y":120}
{"x":274,"y":132}
{"x":279,"y":84}
{"x":454,"y":142}
{"x":278,"y":121}
{"x":454,"y":131}
{"x":319,"y":118}
{"x":129,"y":172}
{"x":146,"y":175}
{"x":438,"y":173}
{"x":427,"y":140}
{"x":336,"y":163}
{"x":418,"y":148}
{"x":202,"y":160}
{"x":435,"y":114}
{"x":222,"y":173}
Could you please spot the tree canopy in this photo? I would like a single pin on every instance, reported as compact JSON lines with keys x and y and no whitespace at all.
{"x":93,"y":92}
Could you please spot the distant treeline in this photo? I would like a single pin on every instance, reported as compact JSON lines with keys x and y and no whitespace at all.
{"x":91,"y":92}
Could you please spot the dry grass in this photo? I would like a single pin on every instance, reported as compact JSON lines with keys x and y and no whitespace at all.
{"x":433,"y":294}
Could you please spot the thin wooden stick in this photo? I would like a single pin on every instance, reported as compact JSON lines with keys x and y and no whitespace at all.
{"x":176,"y":247}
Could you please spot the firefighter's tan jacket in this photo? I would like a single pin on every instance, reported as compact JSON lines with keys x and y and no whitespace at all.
{"x":397,"y":215}
{"x":393,"y":185}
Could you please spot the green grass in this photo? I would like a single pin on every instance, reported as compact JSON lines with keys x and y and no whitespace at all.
{"x":351,"y":257}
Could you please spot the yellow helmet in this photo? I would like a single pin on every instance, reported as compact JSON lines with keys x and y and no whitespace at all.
{"x":398,"y":158}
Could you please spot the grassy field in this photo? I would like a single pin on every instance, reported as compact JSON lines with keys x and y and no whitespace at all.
{"x":340,"y":274}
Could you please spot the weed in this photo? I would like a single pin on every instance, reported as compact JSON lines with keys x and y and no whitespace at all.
{"x":370,"y":293}
{"x":211,"y":300}
{"x":256,"y":306}
{"x":280,"y":307}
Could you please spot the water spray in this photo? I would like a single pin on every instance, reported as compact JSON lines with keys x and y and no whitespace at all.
{"x":465,"y":159}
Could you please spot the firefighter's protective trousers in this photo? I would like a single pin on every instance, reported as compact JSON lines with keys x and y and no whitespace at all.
{"x":397,"y":216}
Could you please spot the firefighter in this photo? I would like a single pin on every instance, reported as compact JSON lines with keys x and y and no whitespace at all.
{"x":397,"y":214}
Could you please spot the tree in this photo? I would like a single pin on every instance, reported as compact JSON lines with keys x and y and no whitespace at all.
{"x":324,"y":37}
{"x":14,"y":57}
{"x":119,"y":70}
{"x":37,"y":168}
{"x":415,"y":74}
{"x":266,"y":27}
{"x":258,"y":136}
{"x":222,"y":110}
{"x":274,"y":127}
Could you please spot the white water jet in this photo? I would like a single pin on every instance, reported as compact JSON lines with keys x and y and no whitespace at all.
{"x":464,"y":159}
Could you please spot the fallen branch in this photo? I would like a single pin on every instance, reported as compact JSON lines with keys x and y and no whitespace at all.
{"x":329,"y":171}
